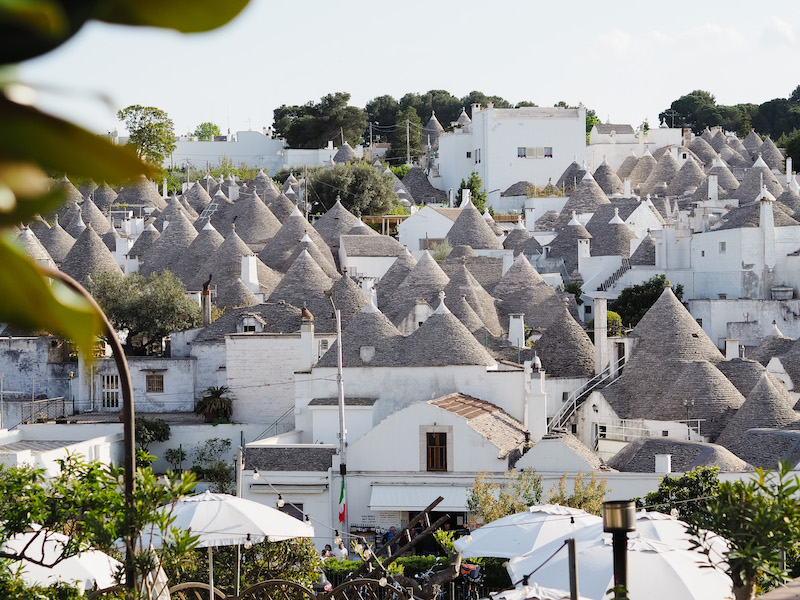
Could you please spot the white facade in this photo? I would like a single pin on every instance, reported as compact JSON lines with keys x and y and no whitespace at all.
{"x":616,"y":148}
{"x":507,"y":145}
{"x":425,"y":227}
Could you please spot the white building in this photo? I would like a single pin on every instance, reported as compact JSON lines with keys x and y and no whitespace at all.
{"x":615,"y":142}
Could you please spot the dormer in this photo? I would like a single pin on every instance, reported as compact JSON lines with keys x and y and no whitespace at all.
{"x":250,"y":323}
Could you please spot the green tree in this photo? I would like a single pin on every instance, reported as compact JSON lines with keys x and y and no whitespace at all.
{"x":526,"y":104}
{"x":687,"y":111}
{"x":793,"y":146}
{"x":313,"y":125}
{"x":152,"y":134}
{"x":489,"y":500}
{"x":477,"y":193}
{"x":381,"y":112}
{"x":148,"y":308}
{"x":685,"y":494}
{"x":206,"y":131}
{"x":586,"y":495}
{"x":476,"y":97}
{"x":760,"y":518}
{"x":446,"y":106}
{"x":151,"y":430}
{"x":635,"y":300}
{"x":398,"y":151}
{"x":363,"y":189}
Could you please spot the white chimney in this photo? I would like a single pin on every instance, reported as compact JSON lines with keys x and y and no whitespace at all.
{"x":465,"y":197}
{"x":233,"y":193}
{"x":731,"y":349}
{"x":308,"y":355}
{"x":535,"y":413}
{"x":205,"y":305}
{"x":788,"y":170}
{"x":450,"y":196}
{"x":663,"y":463}
{"x":250,"y":273}
{"x":713,"y":188}
{"x":627,"y":191}
{"x":516,"y":330}
{"x":600,"y":335}
{"x":530,"y":215}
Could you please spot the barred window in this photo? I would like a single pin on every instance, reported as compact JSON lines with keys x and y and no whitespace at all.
{"x":154,"y":383}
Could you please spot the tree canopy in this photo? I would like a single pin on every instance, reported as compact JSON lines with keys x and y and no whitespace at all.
{"x":478,"y":194}
{"x":148,"y":308}
{"x":363,"y":189}
{"x":206,"y":131}
{"x":152,"y":133}
{"x":635,"y":300}
{"x":313,"y":125}
{"x":397,"y":153}
{"x":684,"y":494}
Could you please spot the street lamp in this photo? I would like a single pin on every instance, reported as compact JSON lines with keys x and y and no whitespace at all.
{"x":688,"y":403}
{"x":619,"y":517}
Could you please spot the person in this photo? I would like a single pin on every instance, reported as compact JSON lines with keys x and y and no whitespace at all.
{"x":341,"y":551}
{"x":327,"y":552}
{"x":390,"y":539}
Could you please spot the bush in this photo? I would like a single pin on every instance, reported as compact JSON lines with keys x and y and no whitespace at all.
{"x":149,"y":431}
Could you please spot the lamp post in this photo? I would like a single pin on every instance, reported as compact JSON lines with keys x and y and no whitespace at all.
{"x":71,"y":397}
{"x":688,"y":403}
{"x":619,"y":517}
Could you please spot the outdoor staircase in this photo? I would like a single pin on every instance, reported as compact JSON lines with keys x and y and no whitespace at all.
{"x":615,"y":276}
{"x":576,"y":399}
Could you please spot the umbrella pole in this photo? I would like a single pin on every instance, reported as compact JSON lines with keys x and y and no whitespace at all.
{"x":573,"y":570}
{"x":210,"y":574}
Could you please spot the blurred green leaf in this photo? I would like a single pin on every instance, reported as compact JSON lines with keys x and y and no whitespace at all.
{"x":187,"y":16}
{"x":31,"y":301}
{"x":59,"y":146}
{"x":45,"y":16}
{"x":24,"y":192}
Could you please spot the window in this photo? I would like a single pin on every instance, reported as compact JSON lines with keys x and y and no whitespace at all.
{"x":699,"y":322}
{"x":154,"y":383}
{"x":723,"y":296}
{"x":249,"y":328}
{"x":537,"y":152}
{"x":469,"y":154}
{"x":702,"y":252}
{"x":295,"y":509}
{"x":664,"y":433}
{"x":574,"y":429}
{"x":587,"y":310}
{"x":110,"y":395}
{"x":437,"y":451}
{"x":323,"y":345}
{"x":722,"y":247}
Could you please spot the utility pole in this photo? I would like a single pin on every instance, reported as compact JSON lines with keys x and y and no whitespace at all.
{"x":408,"y":143}
{"x":341,"y":131}
{"x":305,"y":185}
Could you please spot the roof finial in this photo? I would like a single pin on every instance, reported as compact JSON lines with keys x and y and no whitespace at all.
{"x":442,"y":308}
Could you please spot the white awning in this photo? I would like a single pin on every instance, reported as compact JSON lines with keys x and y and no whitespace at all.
{"x":417,"y":497}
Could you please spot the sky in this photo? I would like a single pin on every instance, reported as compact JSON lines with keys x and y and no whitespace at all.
{"x":626,"y":59}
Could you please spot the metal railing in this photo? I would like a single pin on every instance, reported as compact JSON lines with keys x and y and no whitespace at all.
{"x":627,"y":432}
{"x":571,"y":404}
{"x":41,"y":411}
{"x":274,"y":426}
{"x":616,"y":275}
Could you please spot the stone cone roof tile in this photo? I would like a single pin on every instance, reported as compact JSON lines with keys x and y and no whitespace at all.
{"x":665,"y":170}
{"x":368,"y":340}
{"x":608,"y":180}
{"x":210,"y":184}
{"x":255,"y":223}
{"x":471,"y":229}
{"x":772,"y":155}
{"x":719,"y":141}
{"x":522,"y":290}
{"x":639,"y":456}
{"x":304,"y":283}
{"x":235,"y":294}
{"x":703,"y":150}
{"x":394,"y":276}
{"x":345,"y":154}
{"x":420,"y":188}
{"x":645,"y":253}
{"x":642,"y":170}
{"x":749,"y":215}
{"x":104,"y":197}
{"x":771,"y":346}
{"x":31,"y":245}
{"x":750,"y":188}
{"x":141,"y":193}
{"x":611,"y":239}
{"x":86,"y":188}
{"x":431,"y":132}
{"x":308,"y":245}
{"x":734,"y":159}
{"x":519,"y":188}
{"x":767,"y":406}
{"x":725,"y":178}
{"x":571,"y":176}
{"x":743,"y":373}
{"x":222,"y":218}
{"x":170,"y":213}
{"x":280,"y":247}
{"x":425,"y":281}
{"x":281,"y":207}
{"x":752,"y":143}
{"x":565,"y":244}
{"x":39,"y":226}
{"x":701,"y":193}
{"x":197,"y":197}
{"x":627,"y":167}
{"x":463,"y":283}
{"x":168,"y":249}
{"x":198,"y":252}
{"x":691,"y":175}
{"x":290,"y":181}
{"x":88,"y":255}
{"x":791,"y":200}
{"x":69,"y":191}
{"x":585,"y":198}
{"x":337,"y":221}
{"x":736,"y":144}
{"x":348,"y":297}
{"x":191,"y":213}
{"x":110,"y":239}
{"x":361,"y":228}
{"x":516,"y":239}
{"x":57,"y":242}
{"x":466,"y":314}
{"x":144,"y":241}
{"x":565,"y":349}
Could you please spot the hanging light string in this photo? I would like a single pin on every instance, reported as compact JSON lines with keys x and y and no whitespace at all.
{"x":524,"y":580}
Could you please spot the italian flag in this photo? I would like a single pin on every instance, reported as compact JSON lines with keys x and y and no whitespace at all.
{"x":341,"y":503}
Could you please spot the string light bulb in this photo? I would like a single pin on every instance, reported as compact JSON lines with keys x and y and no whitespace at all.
{"x":359,"y":548}
{"x":255,"y":474}
{"x":336,"y":538}
{"x":248,"y":543}
{"x":281,"y":503}
{"x":572,"y":522}
{"x":382,"y":582}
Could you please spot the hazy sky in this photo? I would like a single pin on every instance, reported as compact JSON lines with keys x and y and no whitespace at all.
{"x":625,"y":59}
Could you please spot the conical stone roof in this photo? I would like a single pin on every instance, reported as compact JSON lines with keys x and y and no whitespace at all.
{"x":234,"y":295}
{"x":337,"y":221}
{"x":585,"y":198}
{"x":191,"y":213}
{"x":772,"y":156}
{"x":141,"y":193}
{"x":608,"y":180}
{"x":87,"y":256}
{"x":517,"y":238}
{"x":565,"y":244}
{"x":75,"y":225}
{"x":791,"y":200}
{"x":522,"y":290}
{"x":290,"y":182}
{"x":749,"y":215}
{"x":611,"y":238}
{"x":734,"y":159}
{"x":666,"y":168}
{"x":110,"y":239}
{"x":571,"y":176}
{"x":703,"y":150}
{"x":565,"y":349}
{"x":467,"y":315}
{"x":144,"y":241}
{"x":197,"y":197}
{"x":719,"y":141}
{"x":431,"y":132}
{"x":348,"y":297}
{"x":31,"y":245}
{"x":39,"y":226}
{"x":725,"y":179}
{"x":642,"y":170}
{"x":168,"y":249}
{"x":104,"y":197}
{"x":425,"y":281}
{"x":57,"y":242}
{"x":394,"y":276}
{"x":691,"y":175}
{"x":627,"y":167}
{"x":304,"y":283}
{"x":750,"y":188}
{"x":278,"y":249}
{"x":470,"y":229}
{"x":86,"y":188}
{"x":69,"y":191}
{"x":368,"y":340}
{"x":307,"y":244}
{"x":361,"y":228}
{"x":255,"y":223}
{"x":198,"y":252}
{"x":752,"y":143}
{"x":767,"y":406}
{"x":345,"y":154}
{"x":772,"y":345}
{"x":463,"y":118}
{"x":645,"y":253}
{"x":736,"y":144}
{"x":170,"y":213}
{"x":281,"y":207}
{"x":463,"y":283}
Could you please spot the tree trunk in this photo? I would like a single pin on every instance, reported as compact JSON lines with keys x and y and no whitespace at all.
{"x":745,"y":592}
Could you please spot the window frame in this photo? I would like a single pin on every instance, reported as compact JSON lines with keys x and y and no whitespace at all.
{"x":436,"y":451}
{"x":154,"y":383}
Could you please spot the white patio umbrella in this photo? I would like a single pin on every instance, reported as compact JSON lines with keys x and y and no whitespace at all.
{"x":225,"y":520}
{"x":87,"y":568}
{"x":524,"y":532}
{"x":655,"y":571}
{"x":532,"y":592}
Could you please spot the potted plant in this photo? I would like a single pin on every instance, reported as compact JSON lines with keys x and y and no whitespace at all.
{"x":216,"y":403}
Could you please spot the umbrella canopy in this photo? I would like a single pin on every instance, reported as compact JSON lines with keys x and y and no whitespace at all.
{"x":532,"y":592}
{"x":225,"y":520}
{"x":655,"y":571}
{"x":524,"y":532}
{"x":89,"y":567}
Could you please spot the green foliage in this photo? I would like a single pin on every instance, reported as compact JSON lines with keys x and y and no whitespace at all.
{"x":216,"y":401}
{"x":400,"y":171}
{"x":687,"y":111}
{"x":226,"y":167}
{"x":614,"y":325}
{"x":152,"y":133}
{"x":488,"y":500}
{"x":574,"y":289}
{"x":398,"y":152}
{"x":445,"y":540}
{"x":684,"y":494}
{"x":206,"y":131}
{"x":760,"y":519}
{"x":476,"y":97}
{"x":381,"y":112}
{"x":634,"y":301}
{"x":442,"y":250}
{"x":586,"y":495}
{"x":446,"y":106}
{"x":547,"y":191}
{"x":478,"y":193}
{"x":210,"y":464}
{"x":12,"y":587}
{"x":151,"y":430}
{"x":792,"y":146}
{"x":175,"y":457}
{"x":150,"y":309}
{"x":363,"y":189}
{"x":314,"y":124}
